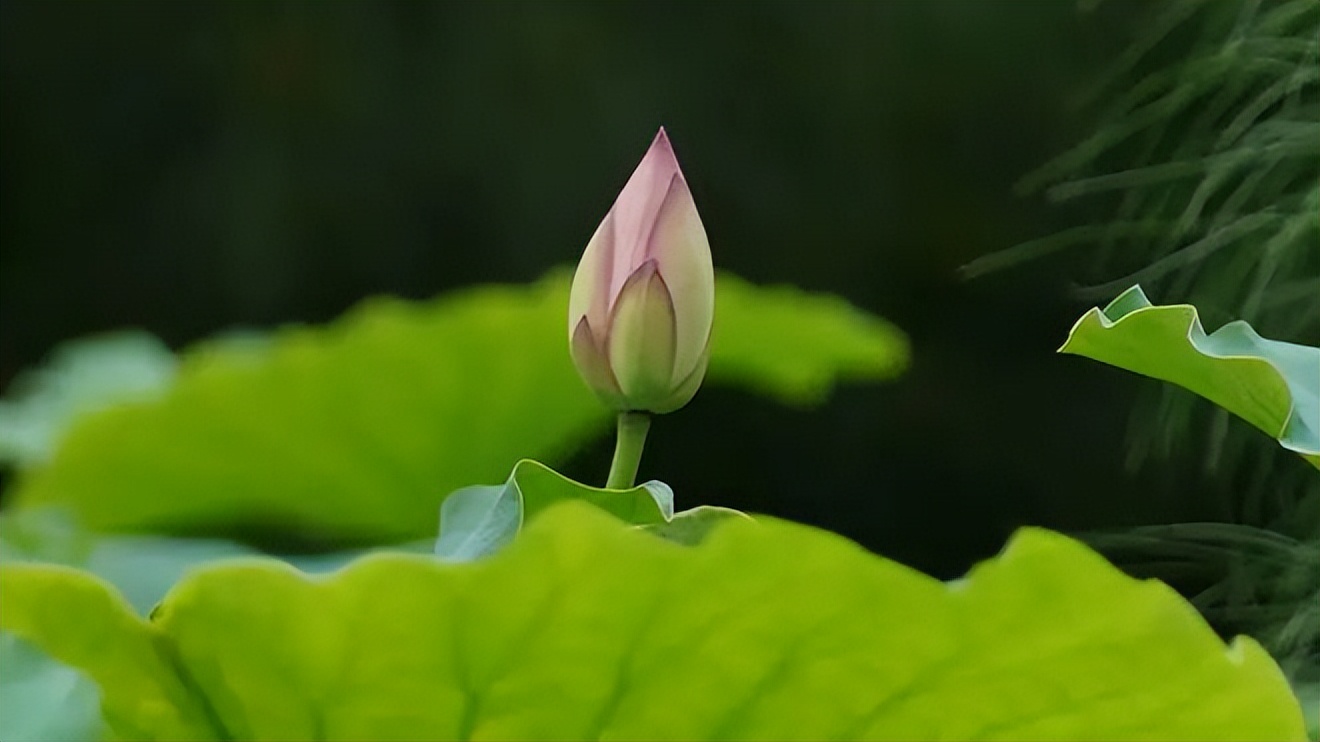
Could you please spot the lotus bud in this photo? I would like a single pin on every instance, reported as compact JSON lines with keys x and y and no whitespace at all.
{"x":643,"y":297}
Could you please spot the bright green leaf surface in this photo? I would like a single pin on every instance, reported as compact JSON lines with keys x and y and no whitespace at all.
{"x":582,"y":629}
{"x":1273,"y":385}
{"x":44,"y":700}
{"x":477,"y":521}
{"x":81,"y":622}
{"x":143,"y":568}
{"x":358,"y":430}
{"x":691,"y":527}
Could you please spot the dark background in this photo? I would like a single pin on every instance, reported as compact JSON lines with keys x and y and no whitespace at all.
{"x":187,"y":167}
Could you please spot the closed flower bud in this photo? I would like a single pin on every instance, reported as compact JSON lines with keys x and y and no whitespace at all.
{"x":643,"y":297}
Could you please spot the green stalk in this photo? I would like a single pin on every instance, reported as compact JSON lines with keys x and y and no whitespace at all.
{"x":628,"y":449}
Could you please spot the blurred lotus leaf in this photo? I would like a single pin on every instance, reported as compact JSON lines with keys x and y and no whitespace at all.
{"x":82,"y":377}
{"x":41,"y":700}
{"x":355,"y":432}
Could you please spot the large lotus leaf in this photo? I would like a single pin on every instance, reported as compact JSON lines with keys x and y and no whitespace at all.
{"x":582,"y":629}
{"x":42,"y":700}
{"x":1271,"y":384}
{"x":86,"y":625}
{"x":356,"y":431}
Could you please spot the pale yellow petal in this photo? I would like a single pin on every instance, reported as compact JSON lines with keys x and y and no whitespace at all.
{"x":590,"y":295}
{"x":641,"y":338}
{"x":687,"y":387}
{"x":682,"y":252}
{"x":593,"y":366}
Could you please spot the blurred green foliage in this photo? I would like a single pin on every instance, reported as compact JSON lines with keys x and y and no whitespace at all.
{"x":41,"y":404}
{"x":43,"y":701}
{"x":191,"y":167}
{"x":355,"y":432}
{"x":215,"y":164}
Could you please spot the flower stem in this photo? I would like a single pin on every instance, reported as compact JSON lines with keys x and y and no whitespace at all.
{"x":628,"y":449}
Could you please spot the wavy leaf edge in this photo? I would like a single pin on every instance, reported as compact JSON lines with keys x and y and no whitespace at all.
{"x":1134,"y":303}
{"x":551,"y":532}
